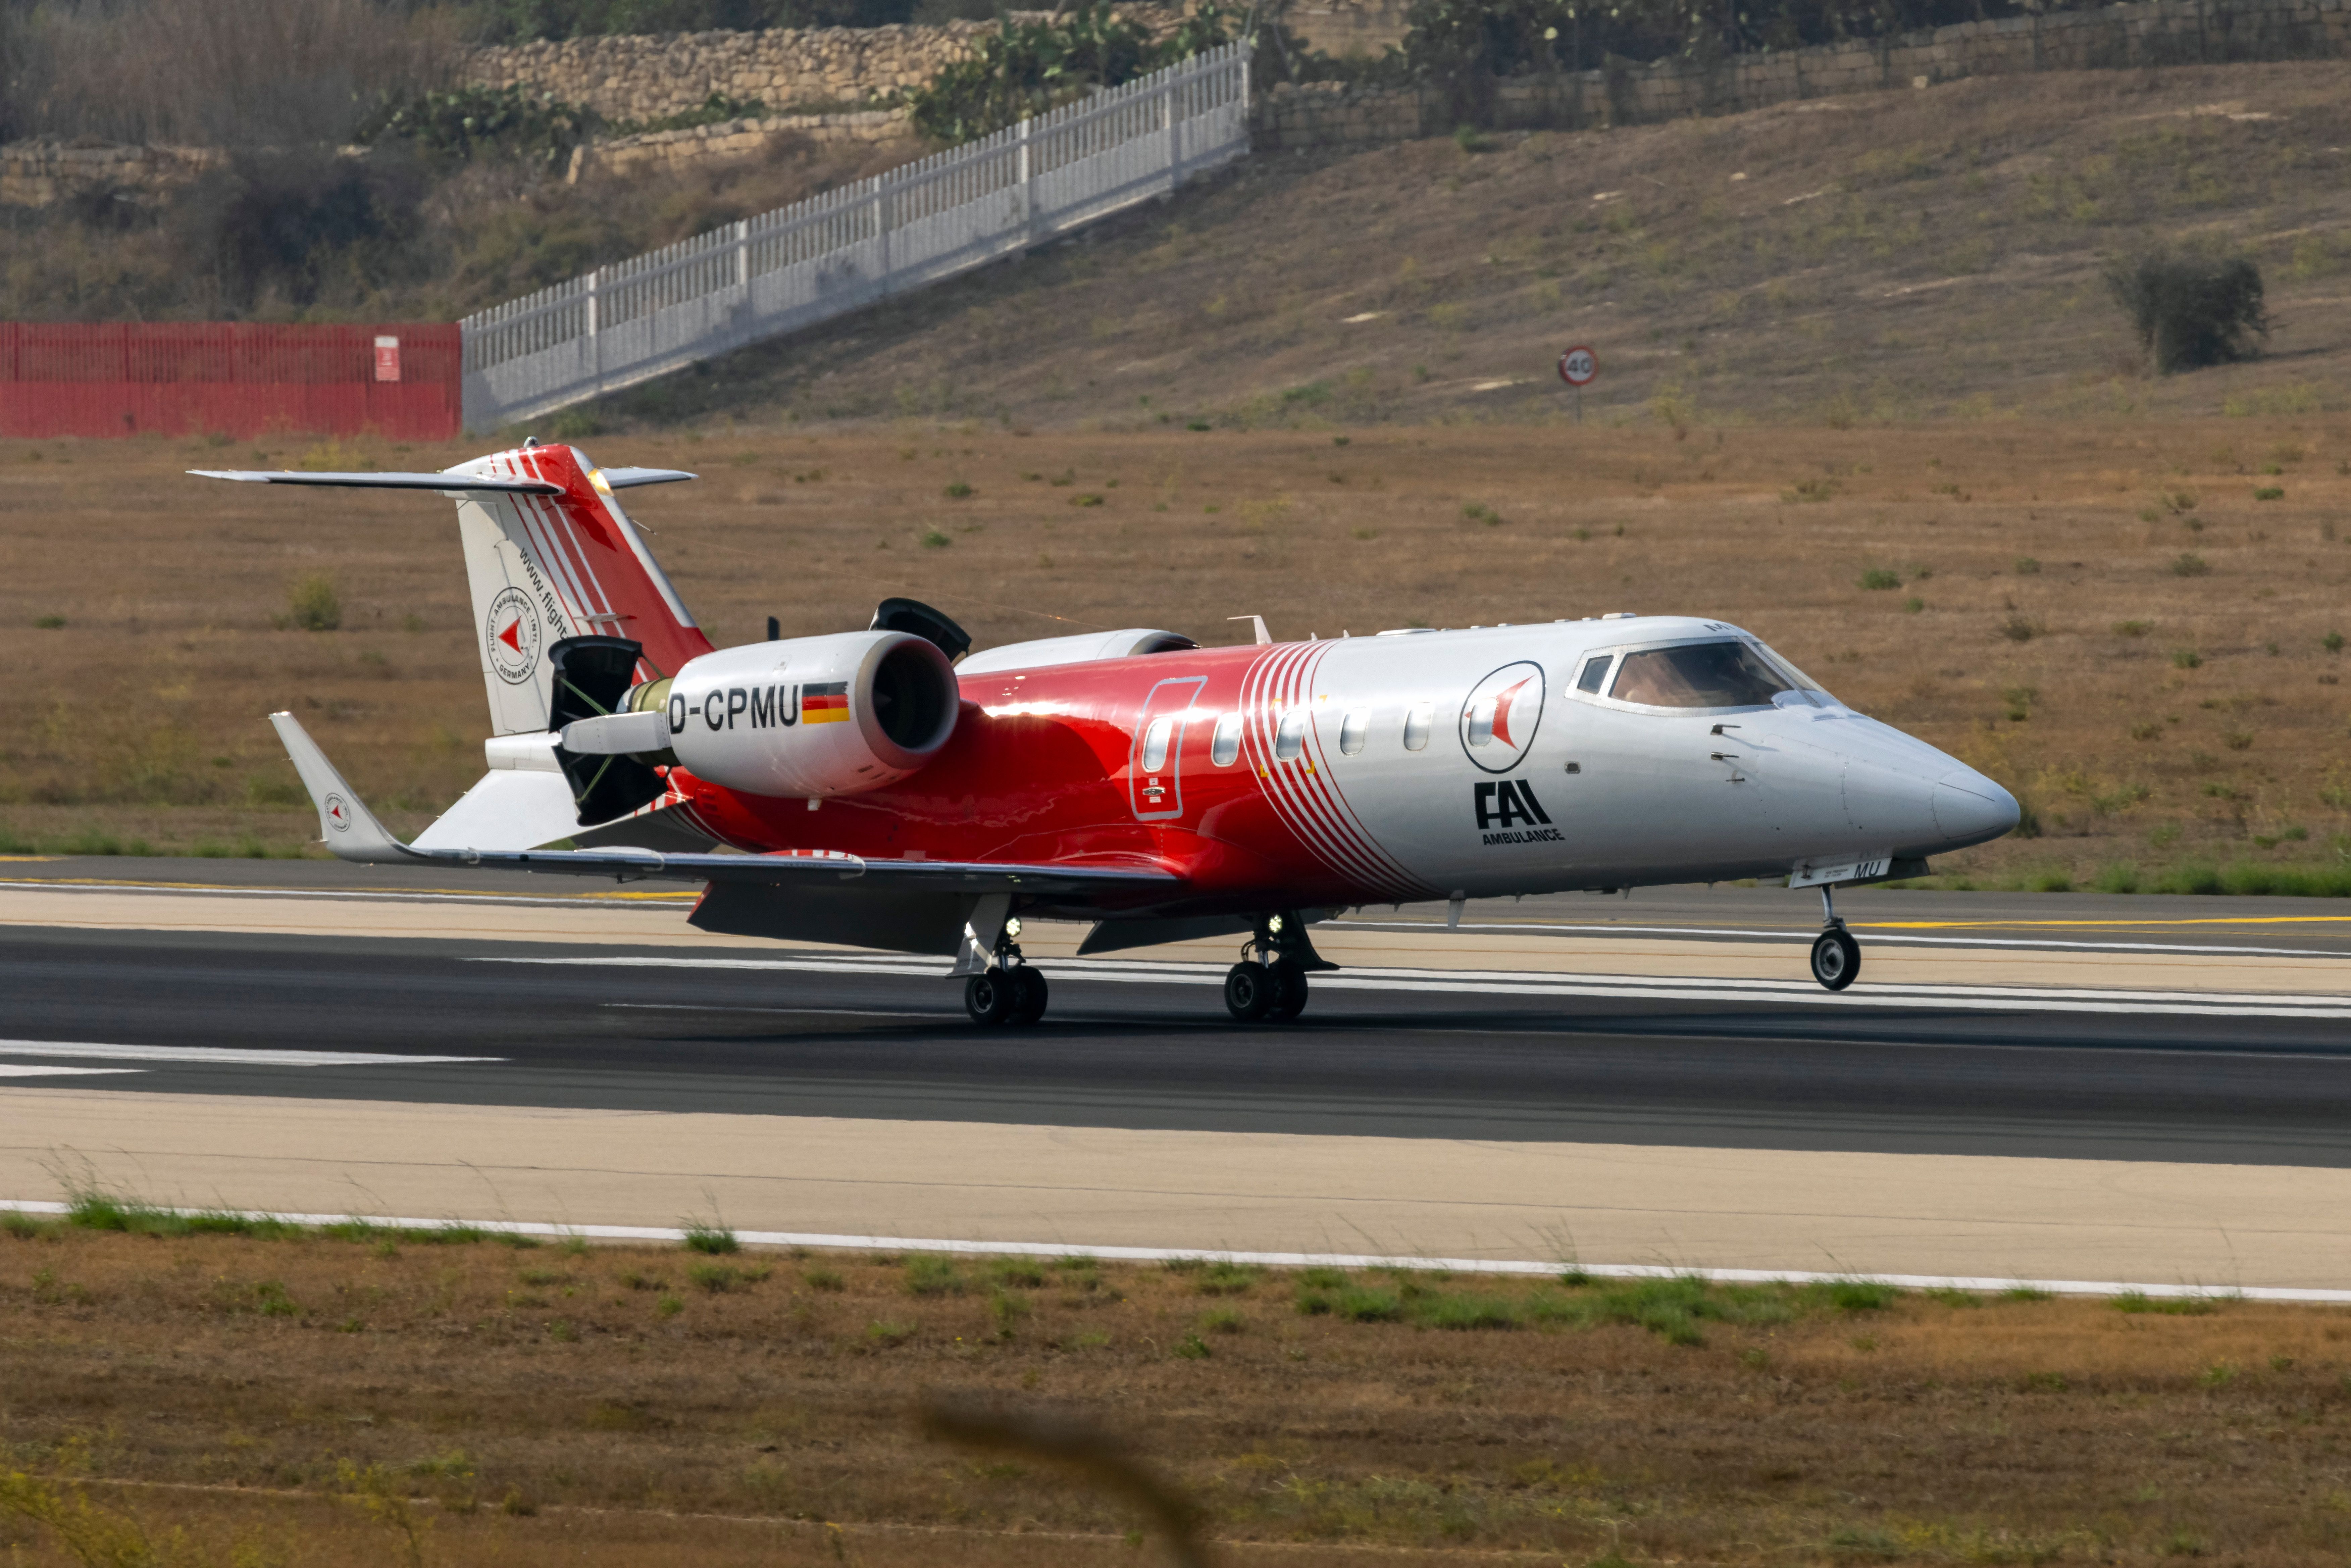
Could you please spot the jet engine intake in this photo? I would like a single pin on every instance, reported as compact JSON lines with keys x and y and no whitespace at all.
{"x":813,"y":716}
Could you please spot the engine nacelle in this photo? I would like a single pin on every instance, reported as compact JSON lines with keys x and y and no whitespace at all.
{"x":813,"y":716}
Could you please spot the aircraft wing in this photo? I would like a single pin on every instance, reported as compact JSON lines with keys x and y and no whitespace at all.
{"x":352,"y":832}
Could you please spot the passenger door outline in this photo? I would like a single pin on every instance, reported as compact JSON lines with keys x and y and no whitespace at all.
{"x":1158,"y":797}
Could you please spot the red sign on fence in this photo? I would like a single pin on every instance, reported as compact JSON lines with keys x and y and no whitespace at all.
{"x":234,"y":378}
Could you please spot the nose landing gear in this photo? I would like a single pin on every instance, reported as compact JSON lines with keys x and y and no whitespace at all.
{"x":1836,"y":957}
{"x":1271,"y":988}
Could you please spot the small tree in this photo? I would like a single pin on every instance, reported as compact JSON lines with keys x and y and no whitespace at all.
{"x":2191,"y":311}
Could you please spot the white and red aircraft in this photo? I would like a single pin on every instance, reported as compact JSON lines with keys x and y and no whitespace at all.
{"x":876,"y":792}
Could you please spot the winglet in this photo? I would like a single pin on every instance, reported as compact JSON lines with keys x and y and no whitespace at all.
{"x":346,"y":824}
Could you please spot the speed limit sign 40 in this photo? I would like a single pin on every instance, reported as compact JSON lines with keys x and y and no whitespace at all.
{"x":1578,"y":366}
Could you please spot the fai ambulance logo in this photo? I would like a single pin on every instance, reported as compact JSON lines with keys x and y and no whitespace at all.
{"x":511,"y":635}
{"x":1498,"y":722}
{"x":339,"y":813}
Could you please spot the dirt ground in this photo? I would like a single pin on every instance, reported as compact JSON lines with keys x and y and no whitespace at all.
{"x":382,"y":1398}
{"x":2106,"y":617}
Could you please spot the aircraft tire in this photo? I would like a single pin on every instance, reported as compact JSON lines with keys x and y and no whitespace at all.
{"x":1293,"y":993}
{"x":1251,"y":991}
{"x":990,"y":998}
{"x":1029,"y":993}
{"x":1836,"y":958}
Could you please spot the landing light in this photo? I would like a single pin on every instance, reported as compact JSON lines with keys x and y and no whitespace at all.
{"x":1274,"y":925}
{"x":1012,"y":928}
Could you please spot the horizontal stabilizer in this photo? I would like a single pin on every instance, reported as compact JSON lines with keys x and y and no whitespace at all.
{"x":448,"y":482}
{"x":629,"y":478}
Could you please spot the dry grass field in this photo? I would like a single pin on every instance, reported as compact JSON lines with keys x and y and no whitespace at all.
{"x":2107,"y":616}
{"x":1887,"y":257}
{"x":371,"y":1397}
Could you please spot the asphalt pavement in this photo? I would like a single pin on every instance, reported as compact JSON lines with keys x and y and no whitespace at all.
{"x":633,"y":1027}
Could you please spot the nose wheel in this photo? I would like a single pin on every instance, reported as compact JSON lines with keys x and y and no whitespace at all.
{"x":1836,"y":957}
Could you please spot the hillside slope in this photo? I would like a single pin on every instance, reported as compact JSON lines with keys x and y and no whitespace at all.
{"x":1908,"y":254}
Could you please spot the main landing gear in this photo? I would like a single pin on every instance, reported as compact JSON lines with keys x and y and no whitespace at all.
{"x":1008,"y":990}
{"x":1271,"y":987}
{"x":1836,"y":957}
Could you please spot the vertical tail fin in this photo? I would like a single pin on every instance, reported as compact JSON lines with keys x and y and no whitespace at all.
{"x":550,"y":566}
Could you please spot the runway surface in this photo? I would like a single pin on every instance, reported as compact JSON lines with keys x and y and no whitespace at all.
{"x":1146,"y":1045}
{"x":1988,"y":1035}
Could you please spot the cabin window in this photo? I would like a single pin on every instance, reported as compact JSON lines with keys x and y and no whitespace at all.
{"x":1595,"y":674}
{"x":1697,"y":674}
{"x":1481,"y":723}
{"x":1418,"y":722}
{"x":1353,"y":729}
{"x":1225,"y":747}
{"x":1155,"y":744}
{"x":1290,"y":740}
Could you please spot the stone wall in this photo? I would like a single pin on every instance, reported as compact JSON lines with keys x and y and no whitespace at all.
{"x":672,"y":152}
{"x":651,"y":77}
{"x":648,"y":77}
{"x":37,"y":172}
{"x":2156,"y":32}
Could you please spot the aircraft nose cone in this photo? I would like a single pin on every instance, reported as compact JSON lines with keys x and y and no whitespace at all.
{"x":1970,"y":808}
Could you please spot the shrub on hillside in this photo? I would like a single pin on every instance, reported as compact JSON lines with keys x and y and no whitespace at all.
{"x":456,"y":126}
{"x":2191,"y":311}
{"x":298,"y":228}
{"x":1024,"y":68}
{"x":221,"y":73}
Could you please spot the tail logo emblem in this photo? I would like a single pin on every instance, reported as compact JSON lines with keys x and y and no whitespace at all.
{"x":339,"y":814}
{"x":1498,"y":722}
{"x":511,"y":636}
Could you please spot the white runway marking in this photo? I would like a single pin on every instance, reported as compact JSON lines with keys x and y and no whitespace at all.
{"x":1314,"y":1259}
{"x":395,"y":896}
{"x":219,"y":1056}
{"x":47,"y":1069}
{"x":795,"y":1012}
{"x":1522,"y":984}
{"x":1537,"y":928}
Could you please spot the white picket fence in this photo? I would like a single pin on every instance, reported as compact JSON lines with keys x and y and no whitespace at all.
{"x":786,"y":269}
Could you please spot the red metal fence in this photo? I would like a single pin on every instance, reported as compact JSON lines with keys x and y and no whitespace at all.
{"x":235,"y":378}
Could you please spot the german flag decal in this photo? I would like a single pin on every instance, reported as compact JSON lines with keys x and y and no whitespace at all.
{"x":826,"y":703}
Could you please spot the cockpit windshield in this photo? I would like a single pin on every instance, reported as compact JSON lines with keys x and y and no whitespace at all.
{"x":1728,"y":674}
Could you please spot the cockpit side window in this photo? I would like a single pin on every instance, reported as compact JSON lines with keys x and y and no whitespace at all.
{"x":1807,"y":688}
{"x":1698,"y":675}
{"x":1595,"y":674}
